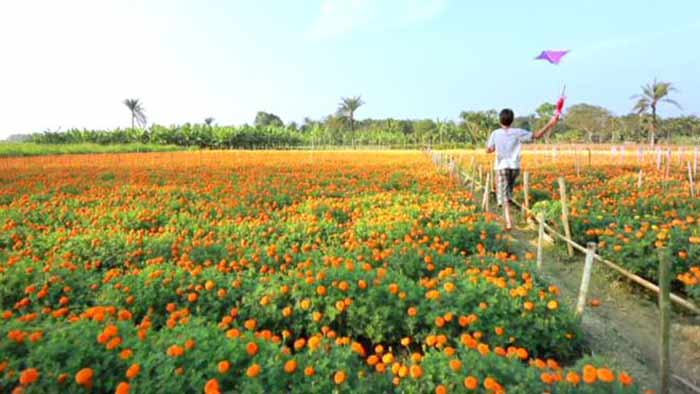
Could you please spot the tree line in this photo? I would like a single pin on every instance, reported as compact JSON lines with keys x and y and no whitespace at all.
{"x":581,"y":123}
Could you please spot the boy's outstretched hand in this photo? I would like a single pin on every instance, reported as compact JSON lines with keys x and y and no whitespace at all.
{"x":549,"y":126}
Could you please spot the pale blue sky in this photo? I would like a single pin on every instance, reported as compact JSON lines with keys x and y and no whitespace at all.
{"x":70,"y":63}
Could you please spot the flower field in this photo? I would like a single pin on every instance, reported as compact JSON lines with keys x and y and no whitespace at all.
{"x":628,"y":219}
{"x":289,"y":272}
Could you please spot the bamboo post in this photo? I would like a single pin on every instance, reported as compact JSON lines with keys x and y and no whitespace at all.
{"x":585,"y":279}
{"x":565,"y":215}
{"x":526,"y":195}
{"x":692,"y":183}
{"x":665,"y":318}
{"x":540,"y":240}
{"x":589,"y":156}
{"x":485,"y":199}
{"x":667,"y":173}
{"x":472,"y":169}
{"x":639,"y":155}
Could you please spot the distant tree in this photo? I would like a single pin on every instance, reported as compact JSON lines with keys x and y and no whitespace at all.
{"x":478,"y":124}
{"x":137,"y":114}
{"x":653,"y":94}
{"x":524,"y":122}
{"x":423,"y":129}
{"x":19,"y":137}
{"x":588,"y":118}
{"x":293,"y":126}
{"x":264,"y":119}
{"x":348,"y":106}
{"x":209,"y":121}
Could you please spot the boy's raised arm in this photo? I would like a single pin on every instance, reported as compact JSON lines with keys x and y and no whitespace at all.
{"x":544,"y":130}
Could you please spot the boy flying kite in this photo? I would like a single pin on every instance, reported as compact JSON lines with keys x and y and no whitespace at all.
{"x":506,"y":142}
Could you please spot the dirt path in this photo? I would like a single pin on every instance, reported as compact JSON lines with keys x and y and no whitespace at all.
{"x":624,"y":328}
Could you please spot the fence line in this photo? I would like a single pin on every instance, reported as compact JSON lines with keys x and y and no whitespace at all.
{"x":440,"y":159}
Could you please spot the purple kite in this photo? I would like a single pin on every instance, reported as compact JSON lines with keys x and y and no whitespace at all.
{"x":553,"y":57}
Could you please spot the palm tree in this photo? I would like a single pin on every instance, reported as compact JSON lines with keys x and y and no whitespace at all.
{"x":652,"y":95}
{"x":208,"y":121}
{"x":136,"y":108}
{"x":348,"y":106}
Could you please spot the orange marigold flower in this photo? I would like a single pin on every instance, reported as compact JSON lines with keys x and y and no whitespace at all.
{"x":122,"y":388}
{"x":28,"y":376}
{"x":471,"y":383}
{"x":625,"y":379}
{"x":250,"y":324}
{"x":290,"y":366}
{"x":589,"y":374}
{"x":605,"y":375}
{"x":416,"y":371}
{"x":223,"y":366}
{"x":253,"y":371}
{"x":212,"y":387}
{"x":252,"y":348}
{"x":441,"y":389}
{"x":339,"y":377}
{"x":133,"y":371}
{"x":573,"y":378}
{"x":175,"y":351}
{"x":84,"y":377}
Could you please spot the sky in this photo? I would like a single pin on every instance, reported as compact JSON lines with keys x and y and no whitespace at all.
{"x":71,"y":63}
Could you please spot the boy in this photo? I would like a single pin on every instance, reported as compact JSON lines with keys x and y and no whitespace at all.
{"x":506,"y":143}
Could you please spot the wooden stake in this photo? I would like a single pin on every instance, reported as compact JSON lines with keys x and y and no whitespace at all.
{"x":665,"y":318}
{"x":667,"y":173}
{"x":481,"y":175}
{"x":585,"y":279}
{"x":526,"y":195}
{"x":472,"y":171}
{"x":589,"y":157}
{"x":485,"y":200}
{"x":540,"y":240}
{"x":565,"y":215}
{"x":690,"y":180}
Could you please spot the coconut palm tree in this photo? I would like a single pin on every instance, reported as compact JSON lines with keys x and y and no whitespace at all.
{"x":208,"y":121}
{"x":136,"y":108}
{"x":347,"y":108}
{"x":653,"y":94}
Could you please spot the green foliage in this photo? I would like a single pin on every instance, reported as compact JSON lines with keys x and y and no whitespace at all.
{"x":50,"y":148}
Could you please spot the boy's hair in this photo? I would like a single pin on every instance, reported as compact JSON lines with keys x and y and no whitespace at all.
{"x":506,"y":117}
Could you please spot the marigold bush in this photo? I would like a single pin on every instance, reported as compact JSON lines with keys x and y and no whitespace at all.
{"x":268,"y":271}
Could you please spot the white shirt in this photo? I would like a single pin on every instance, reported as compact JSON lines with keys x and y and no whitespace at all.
{"x":507,"y":143}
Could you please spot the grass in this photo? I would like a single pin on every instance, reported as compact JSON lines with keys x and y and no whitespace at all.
{"x":8,"y":149}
